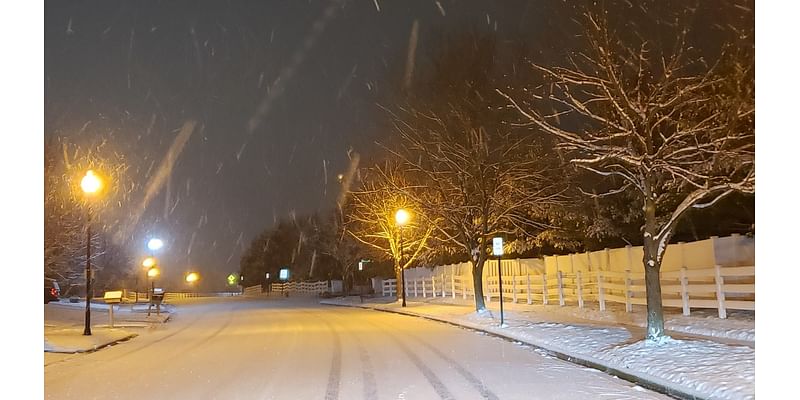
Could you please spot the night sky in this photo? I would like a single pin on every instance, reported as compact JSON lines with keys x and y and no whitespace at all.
{"x":280,"y":90}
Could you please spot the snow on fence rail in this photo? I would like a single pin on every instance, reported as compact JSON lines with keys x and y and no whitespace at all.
{"x":252,"y":290}
{"x":145,"y":296}
{"x":719,"y":287}
{"x":315,"y":288}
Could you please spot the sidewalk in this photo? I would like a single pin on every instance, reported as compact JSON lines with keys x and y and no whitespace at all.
{"x":686,"y":367}
{"x":67,"y":337}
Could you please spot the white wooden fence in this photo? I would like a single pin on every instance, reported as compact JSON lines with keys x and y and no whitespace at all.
{"x":311,"y":288}
{"x":145,"y":296}
{"x":722,"y":288}
{"x":389,"y":287}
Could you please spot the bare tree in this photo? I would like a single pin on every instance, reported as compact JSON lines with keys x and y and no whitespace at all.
{"x":656,"y":118}
{"x":370,"y":217}
{"x":65,"y":208}
{"x":478,"y":182}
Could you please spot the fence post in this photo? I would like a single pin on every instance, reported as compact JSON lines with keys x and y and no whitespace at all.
{"x":487,"y":287}
{"x":720,"y":292}
{"x":416,"y":294}
{"x":530,"y":301}
{"x":580,"y":289}
{"x":452,"y":283}
{"x":629,"y":249}
{"x":514,"y":282}
{"x":685,"y":291}
{"x":463,"y":284}
{"x":560,"y":288}
{"x":544,"y":288}
{"x":601,"y":297}
{"x":628,"y":307}
{"x":433,"y":286}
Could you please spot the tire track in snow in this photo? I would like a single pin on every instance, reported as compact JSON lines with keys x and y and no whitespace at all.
{"x":335,"y":375}
{"x":472,"y":379}
{"x":332,"y":390}
{"x":370,"y":386}
{"x":433,"y":379}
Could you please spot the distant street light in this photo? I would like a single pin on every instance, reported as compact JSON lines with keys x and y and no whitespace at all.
{"x":155,"y":244}
{"x":149,"y":262}
{"x":91,"y":185}
{"x":402,"y":217}
{"x":192,"y":277}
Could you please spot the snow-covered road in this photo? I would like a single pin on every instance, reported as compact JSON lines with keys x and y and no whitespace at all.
{"x":235,"y":348}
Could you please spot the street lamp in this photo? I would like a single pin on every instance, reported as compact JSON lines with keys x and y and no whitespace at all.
{"x":192,"y":277}
{"x":155,"y":244}
{"x":91,"y":185}
{"x":401,"y":217}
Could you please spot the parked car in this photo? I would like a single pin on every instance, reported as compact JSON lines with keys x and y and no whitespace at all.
{"x":51,"y":290}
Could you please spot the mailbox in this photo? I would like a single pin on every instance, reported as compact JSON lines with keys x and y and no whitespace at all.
{"x":113,"y":297}
{"x":155,"y":300}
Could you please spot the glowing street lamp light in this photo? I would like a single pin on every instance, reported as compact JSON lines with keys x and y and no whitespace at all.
{"x":402,"y":217}
{"x":149,"y":262}
{"x":155,"y":244}
{"x":91,"y":185}
{"x":153,"y":272}
{"x":192,"y":277}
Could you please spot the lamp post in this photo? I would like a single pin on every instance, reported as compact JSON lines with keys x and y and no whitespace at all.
{"x":497,"y":250}
{"x":150,"y":265}
{"x":401,"y":217}
{"x":153,"y":244}
{"x":90,"y":184}
{"x":153,"y":273}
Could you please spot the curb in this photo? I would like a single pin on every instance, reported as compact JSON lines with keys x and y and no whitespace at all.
{"x":644,"y":382}
{"x":98,"y":347}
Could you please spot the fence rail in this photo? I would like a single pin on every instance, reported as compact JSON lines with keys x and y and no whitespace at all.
{"x":721,"y":288}
{"x":145,"y":296}
{"x":314,"y":288}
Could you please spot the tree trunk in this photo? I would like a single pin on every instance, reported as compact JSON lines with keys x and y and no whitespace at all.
{"x":477,"y":278}
{"x":652,"y":279}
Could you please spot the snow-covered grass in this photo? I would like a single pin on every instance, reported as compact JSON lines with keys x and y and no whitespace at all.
{"x":72,"y":340}
{"x":704,"y":368}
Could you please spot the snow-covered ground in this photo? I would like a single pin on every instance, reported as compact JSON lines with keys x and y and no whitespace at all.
{"x":704,"y":368}
{"x":279,"y":348}
{"x":64,"y":325}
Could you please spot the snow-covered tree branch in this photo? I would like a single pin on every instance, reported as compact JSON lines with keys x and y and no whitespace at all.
{"x":678,"y":129}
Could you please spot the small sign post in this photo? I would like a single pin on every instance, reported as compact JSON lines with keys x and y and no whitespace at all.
{"x":497,"y":250}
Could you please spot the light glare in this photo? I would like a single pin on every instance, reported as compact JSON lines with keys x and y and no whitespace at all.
{"x":402,"y":217}
{"x":155,"y":244}
{"x":91,"y":183}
